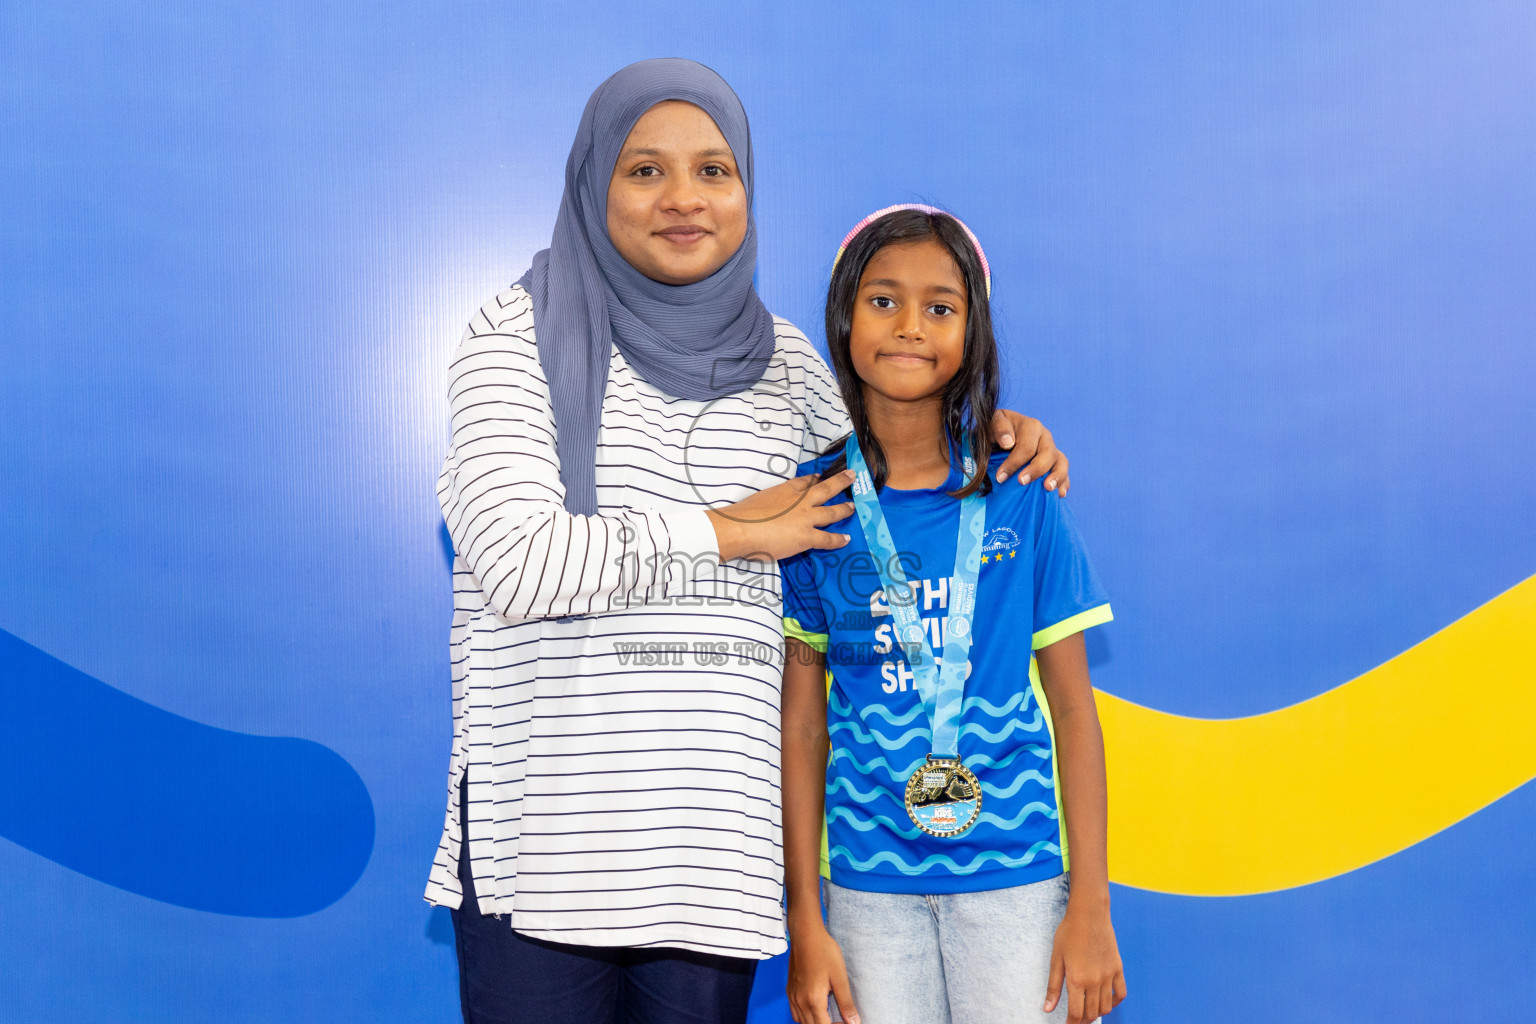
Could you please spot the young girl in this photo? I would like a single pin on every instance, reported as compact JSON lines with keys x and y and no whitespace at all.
{"x":940,"y":656}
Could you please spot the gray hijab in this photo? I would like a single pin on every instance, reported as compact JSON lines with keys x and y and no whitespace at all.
{"x":697,"y":341}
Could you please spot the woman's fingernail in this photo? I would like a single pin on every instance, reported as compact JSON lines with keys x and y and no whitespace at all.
{"x":1001,"y":476}
{"x":1023,"y":478}
{"x":1050,"y":485}
{"x":1006,"y":440}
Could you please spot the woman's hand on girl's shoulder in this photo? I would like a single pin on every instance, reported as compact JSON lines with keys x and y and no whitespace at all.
{"x":1085,"y":959}
{"x":1030,"y":446}
{"x":816,"y":968}
{"x":782,"y":520}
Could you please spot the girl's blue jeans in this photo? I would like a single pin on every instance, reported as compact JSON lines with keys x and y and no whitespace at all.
{"x":966,"y":958}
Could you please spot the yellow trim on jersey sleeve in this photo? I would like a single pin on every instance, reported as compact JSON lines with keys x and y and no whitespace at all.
{"x":792,"y":628}
{"x":1066,"y":627}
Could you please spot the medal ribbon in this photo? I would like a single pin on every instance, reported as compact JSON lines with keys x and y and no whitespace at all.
{"x":942,"y":688}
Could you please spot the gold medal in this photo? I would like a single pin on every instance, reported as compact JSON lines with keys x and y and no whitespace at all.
{"x":943,"y":797}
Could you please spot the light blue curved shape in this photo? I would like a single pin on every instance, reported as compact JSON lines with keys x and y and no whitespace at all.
{"x":992,"y":710}
{"x":1012,"y":727}
{"x":1000,"y":792}
{"x":873,"y":822}
{"x":983,"y":761}
{"x":879,"y":739}
{"x":907,"y":868}
{"x":900,"y":775}
{"x":896,"y":720}
{"x":1034,"y":807}
{"x":841,"y":782}
{"x":844,"y":709}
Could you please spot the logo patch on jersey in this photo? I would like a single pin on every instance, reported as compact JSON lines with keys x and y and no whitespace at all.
{"x":1001,"y":545}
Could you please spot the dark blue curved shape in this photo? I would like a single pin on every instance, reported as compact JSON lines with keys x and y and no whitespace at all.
{"x":162,"y":806}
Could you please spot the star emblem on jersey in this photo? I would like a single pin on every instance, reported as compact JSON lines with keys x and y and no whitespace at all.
{"x":1000,"y":541}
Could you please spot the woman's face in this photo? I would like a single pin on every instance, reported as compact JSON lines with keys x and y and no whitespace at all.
{"x":677,"y":208}
{"x":908,"y":333}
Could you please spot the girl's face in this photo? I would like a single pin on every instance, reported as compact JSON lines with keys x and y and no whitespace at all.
{"x":908,"y":336}
{"x":677,"y":208}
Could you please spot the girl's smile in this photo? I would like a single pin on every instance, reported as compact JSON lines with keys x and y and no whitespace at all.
{"x":906,"y":358}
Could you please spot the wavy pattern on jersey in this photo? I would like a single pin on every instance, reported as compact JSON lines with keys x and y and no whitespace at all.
{"x":983,"y":761}
{"x":1035,"y":724}
{"x":898,"y":774}
{"x":1001,"y":792}
{"x":873,"y":822}
{"x":842,"y":783}
{"x":1034,"y":807}
{"x":843,"y":709}
{"x":943,"y":860}
{"x":886,"y":743}
{"x":973,"y":762}
{"x":993,"y":710}
{"x":139,"y":798}
{"x":1212,"y":807}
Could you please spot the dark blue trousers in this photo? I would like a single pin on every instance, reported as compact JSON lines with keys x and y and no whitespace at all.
{"x":507,"y":978}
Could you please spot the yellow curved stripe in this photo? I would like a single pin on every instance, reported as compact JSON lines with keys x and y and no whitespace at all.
{"x":1230,"y":807}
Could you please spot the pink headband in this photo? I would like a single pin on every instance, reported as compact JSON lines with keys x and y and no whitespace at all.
{"x":986,"y":268}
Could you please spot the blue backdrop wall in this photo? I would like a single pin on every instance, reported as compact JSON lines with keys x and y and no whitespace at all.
{"x":1267,"y":270}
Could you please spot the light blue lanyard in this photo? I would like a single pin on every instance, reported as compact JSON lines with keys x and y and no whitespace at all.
{"x":942,"y":689}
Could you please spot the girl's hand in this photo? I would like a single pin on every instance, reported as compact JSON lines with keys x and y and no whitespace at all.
{"x":782,"y":520}
{"x":816,"y":968}
{"x":1087,"y":958}
{"x":1027,"y":441}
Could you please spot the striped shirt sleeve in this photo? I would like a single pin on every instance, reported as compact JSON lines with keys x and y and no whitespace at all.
{"x":503,"y":500}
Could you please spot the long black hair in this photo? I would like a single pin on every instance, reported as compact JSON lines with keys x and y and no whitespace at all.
{"x":970,"y":398}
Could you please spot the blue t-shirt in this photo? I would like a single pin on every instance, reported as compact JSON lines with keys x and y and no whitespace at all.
{"x":1032,"y":561}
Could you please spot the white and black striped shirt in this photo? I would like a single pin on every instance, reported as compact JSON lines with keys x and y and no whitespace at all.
{"x":616,"y":688}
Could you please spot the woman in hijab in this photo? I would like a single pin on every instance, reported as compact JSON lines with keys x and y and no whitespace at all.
{"x":625,"y":421}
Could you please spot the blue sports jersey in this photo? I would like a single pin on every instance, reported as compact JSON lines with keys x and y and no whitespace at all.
{"x":1032,"y":562}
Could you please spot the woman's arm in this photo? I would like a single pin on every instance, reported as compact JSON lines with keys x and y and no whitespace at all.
{"x":815,"y":962}
{"x":1085,"y":955}
{"x":503,"y":502}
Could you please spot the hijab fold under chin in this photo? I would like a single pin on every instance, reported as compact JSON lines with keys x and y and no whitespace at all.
{"x":696,"y":341}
